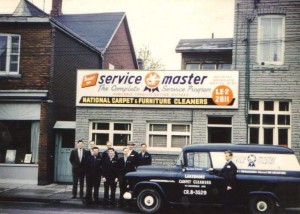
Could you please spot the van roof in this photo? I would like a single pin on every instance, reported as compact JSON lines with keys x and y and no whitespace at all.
{"x":220,"y":147}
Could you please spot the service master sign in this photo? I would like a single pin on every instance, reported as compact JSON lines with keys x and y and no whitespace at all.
{"x":161,"y":89}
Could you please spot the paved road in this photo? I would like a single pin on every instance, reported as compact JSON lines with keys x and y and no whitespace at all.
{"x":10,"y":207}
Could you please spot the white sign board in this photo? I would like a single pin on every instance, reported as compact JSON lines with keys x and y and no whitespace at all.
{"x":162,"y":89}
{"x":258,"y":163}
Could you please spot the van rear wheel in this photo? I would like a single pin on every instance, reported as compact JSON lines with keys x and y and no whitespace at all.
{"x":149,"y":201}
{"x":261,"y":205}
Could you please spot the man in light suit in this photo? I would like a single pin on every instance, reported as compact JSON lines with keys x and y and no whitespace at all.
{"x":77,"y":159}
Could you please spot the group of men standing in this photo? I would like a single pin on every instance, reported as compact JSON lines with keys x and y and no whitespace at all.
{"x":106,"y":165}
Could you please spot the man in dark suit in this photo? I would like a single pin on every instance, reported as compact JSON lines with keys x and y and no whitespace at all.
{"x":105,"y":153}
{"x":228,"y":172}
{"x":125,"y":164}
{"x":110,"y":177}
{"x":91,"y":147}
{"x":77,"y":159}
{"x":132,"y":153}
{"x":144,"y":157}
{"x":93,"y":171}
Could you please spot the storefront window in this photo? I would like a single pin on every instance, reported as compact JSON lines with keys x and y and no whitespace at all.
{"x":219,"y":129}
{"x":169,"y":135}
{"x":19,"y":138}
{"x":117,"y":132}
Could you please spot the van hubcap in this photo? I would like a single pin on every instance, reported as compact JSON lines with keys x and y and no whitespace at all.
{"x":149,"y":200}
{"x":262,"y":206}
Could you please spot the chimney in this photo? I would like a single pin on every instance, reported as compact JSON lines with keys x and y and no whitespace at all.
{"x":56,"y":8}
{"x":140,"y":64}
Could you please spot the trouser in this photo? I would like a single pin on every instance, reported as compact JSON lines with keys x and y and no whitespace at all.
{"x":229,"y":202}
{"x":78,"y":176}
{"x":123,"y":187}
{"x":92,"y":182}
{"x":112,"y":185}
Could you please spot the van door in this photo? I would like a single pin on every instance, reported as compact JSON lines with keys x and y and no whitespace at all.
{"x":196,"y":184}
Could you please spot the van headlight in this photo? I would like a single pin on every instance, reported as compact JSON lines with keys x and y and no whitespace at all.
{"x":127,"y":195}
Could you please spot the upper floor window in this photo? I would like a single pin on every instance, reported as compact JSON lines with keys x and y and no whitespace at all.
{"x":208,"y":66}
{"x":9,"y":53}
{"x":271,"y":39}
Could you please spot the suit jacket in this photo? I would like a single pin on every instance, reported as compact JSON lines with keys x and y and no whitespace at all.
{"x":228,"y":172}
{"x":134,"y":156}
{"x":146,"y":160}
{"x":93,"y":166}
{"x":110,"y":167}
{"x":77,"y":166}
{"x":105,"y":154}
{"x":125,"y":167}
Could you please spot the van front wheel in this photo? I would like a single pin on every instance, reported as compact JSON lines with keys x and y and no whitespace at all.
{"x":149,"y":201}
{"x":261,"y":205}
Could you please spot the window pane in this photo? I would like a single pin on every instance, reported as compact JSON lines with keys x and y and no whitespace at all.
{"x":68,"y":138}
{"x":225,"y":66}
{"x":254,"y":135}
{"x":200,"y":160}
{"x":208,"y":66}
{"x":3,"y":49}
{"x":254,"y":119}
{"x":192,"y":66}
{"x":15,"y":135}
{"x":219,"y":135}
{"x":269,"y":105}
{"x":268,"y":119}
{"x":13,"y":67}
{"x":100,"y":139}
{"x":268,"y":136}
{"x":158,"y":127}
{"x":121,"y":139}
{"x":122,"y":126}
{"x":283,"y":119}
{"x":254,"y":105}
{"x":101,"y":126}
{"x":283,"y":106}
{"x":180,"y":141}
{"x":158,"y":140}
{"x":180,"y":128}
{"x":283,"y":137}
{"x":219,"y":120}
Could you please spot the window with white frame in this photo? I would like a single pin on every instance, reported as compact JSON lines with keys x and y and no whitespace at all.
{"x":271,"y":33}
{"x":9,"y":53}
{"x":270,"y":122}
{"x":219,"y":129}
{"x":119,"y":133}
{"x":208,"y":66}
{"x":192,"y":66}
{"x":169,"y":135}
{"x":224,"y":66}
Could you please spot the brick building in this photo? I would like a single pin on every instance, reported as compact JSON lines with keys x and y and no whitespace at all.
{"x":40,"y":55}
{"x":266,"y":52}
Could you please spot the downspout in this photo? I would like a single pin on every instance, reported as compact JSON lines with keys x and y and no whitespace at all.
{"x":247,"y":80}
{"x":247,"y":75}
{"x":236,"y":33}
{"x":102,"y":59}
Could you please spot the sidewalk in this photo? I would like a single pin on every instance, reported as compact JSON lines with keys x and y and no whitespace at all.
{"x":53,"y":193}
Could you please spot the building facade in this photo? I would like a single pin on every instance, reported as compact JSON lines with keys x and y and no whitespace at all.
{"x":266,"y":52}
{"x":40,"y":55}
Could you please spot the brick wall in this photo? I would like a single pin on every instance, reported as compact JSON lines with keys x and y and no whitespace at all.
{"x":119,"y":52}
{"x":69,"y":56}
{"x":270,"y":82}
{"x":35,"y":57}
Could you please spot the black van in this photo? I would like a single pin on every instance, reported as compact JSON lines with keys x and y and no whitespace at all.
{"x":268,"y":176}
